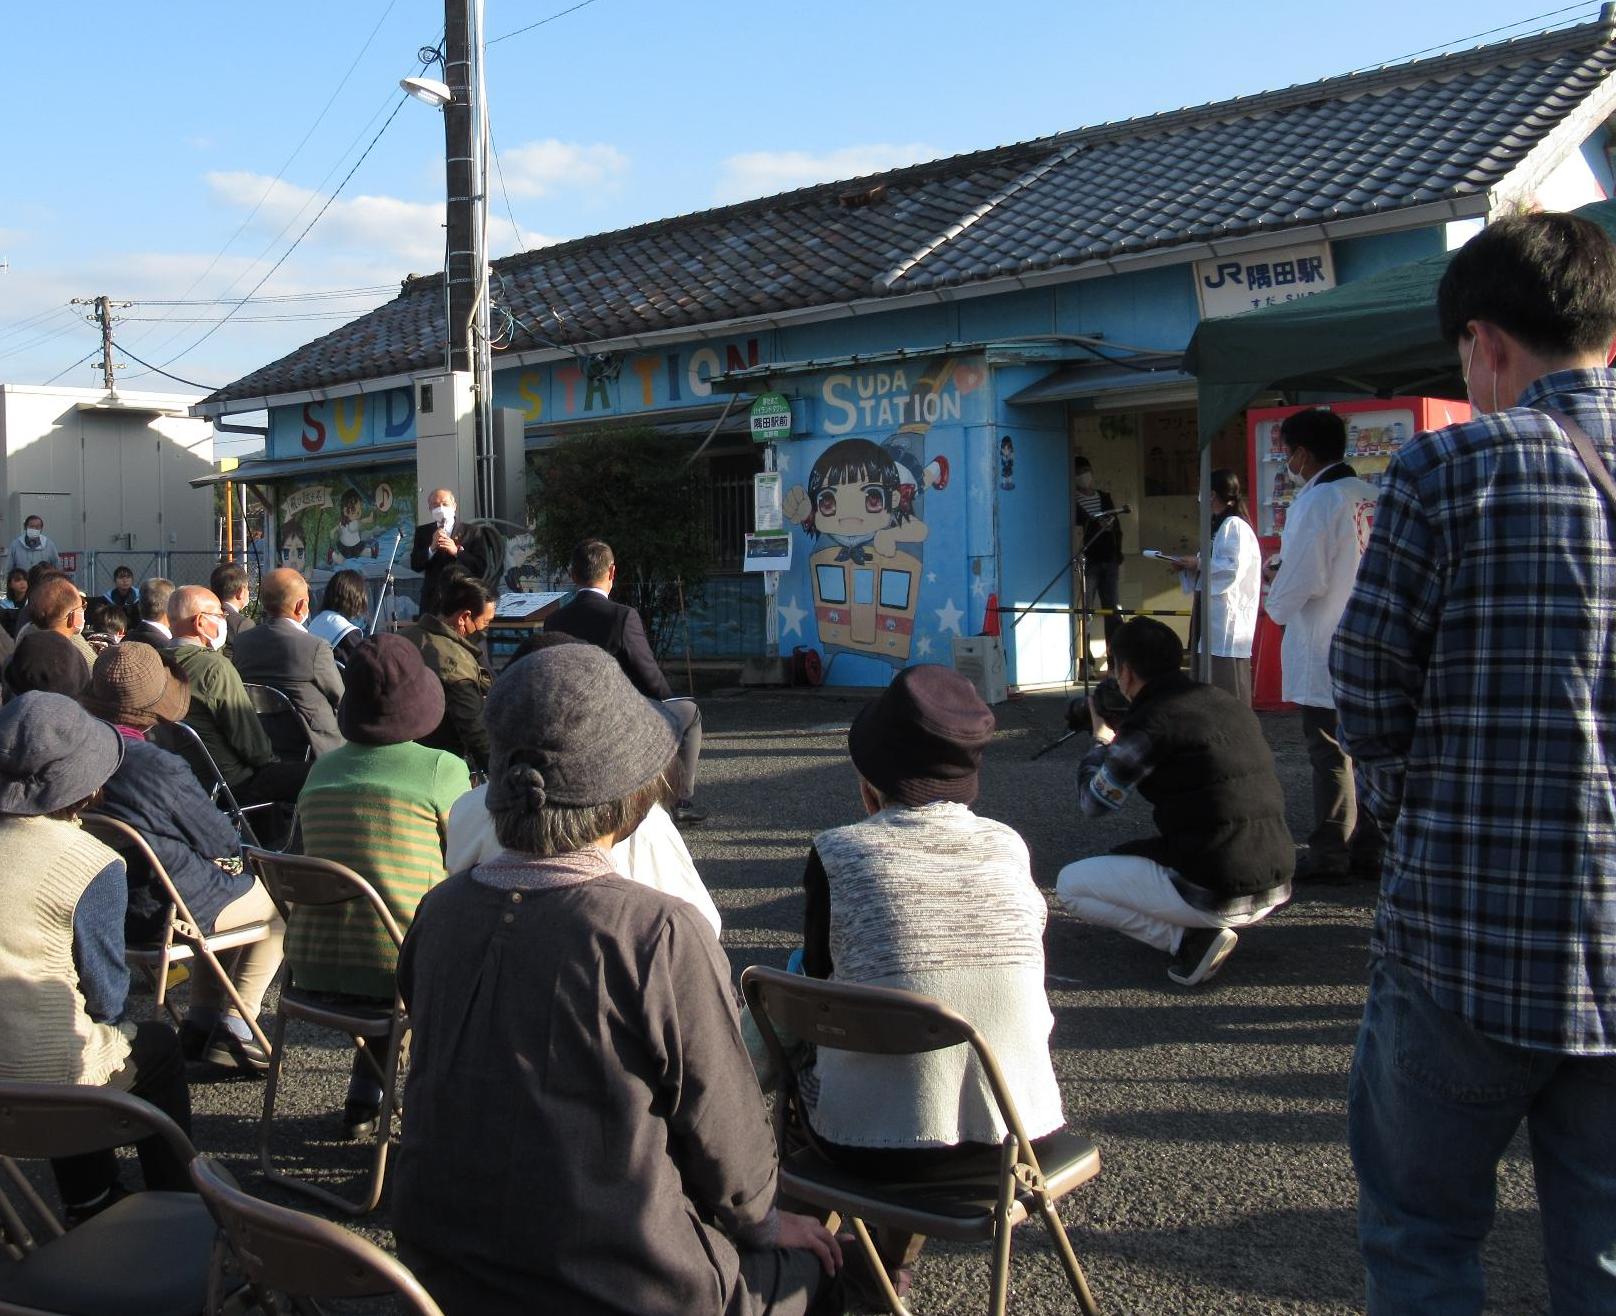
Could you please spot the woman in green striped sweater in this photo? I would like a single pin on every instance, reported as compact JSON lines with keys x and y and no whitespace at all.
{"x":379,"y":804}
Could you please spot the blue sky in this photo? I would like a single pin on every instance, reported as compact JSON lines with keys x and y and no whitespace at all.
{"x":139,"y":138}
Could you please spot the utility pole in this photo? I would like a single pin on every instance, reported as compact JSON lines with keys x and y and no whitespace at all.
{"x":103,"y":316}
{"x":465,"y":136}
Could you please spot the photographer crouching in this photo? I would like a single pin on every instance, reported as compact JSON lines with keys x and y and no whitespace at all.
{"x":1224,"y":857}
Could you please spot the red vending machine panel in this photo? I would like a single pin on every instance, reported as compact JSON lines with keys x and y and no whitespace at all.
{"x":1376,"y":429}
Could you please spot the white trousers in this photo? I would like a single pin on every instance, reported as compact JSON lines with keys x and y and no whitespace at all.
{"x":1137,"y":896}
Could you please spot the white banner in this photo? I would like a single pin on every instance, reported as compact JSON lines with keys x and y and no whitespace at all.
{"x":1231,"y":285}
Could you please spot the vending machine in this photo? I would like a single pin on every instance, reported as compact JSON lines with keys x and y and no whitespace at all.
{"x":1376,"y":429}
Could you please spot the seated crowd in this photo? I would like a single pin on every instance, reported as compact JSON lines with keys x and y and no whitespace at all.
{"x":575,"y":1025}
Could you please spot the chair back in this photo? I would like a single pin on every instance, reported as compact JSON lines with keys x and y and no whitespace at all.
{"x":296,"y":879}
{"x":118,"y":835}
{"x":283,"y":722}
{"x":289,"y":1252}
{"x":62,"y":1119}
{"x":843,"y":1016}
{"x":181,"y":738}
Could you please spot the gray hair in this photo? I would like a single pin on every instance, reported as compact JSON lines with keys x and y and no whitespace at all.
{"x":557,"y":829}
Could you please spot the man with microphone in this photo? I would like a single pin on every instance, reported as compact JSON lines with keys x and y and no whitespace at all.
{"x":445,"y":541}
{"x":1101,"y":540}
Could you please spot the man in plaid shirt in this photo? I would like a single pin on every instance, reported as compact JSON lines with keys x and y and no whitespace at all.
{"x":1475,"y":679}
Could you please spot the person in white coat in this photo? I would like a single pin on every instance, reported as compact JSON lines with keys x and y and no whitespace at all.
{"x":1235,"y":586}
{"x":1325,"y":537}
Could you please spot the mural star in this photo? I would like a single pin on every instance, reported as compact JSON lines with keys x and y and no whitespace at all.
{"x":949,"y":617}
{"x":931,"y":577}
{"x":782,"y":462}
{"x":792,"y":616}
{"x":923,"y":646}
{"x":979,"y":587}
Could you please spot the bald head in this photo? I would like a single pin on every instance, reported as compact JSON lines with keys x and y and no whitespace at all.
{"x":284,"y":593}
{"x":186,"y":605}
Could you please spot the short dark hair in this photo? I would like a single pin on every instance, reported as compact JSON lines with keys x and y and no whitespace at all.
{"x":154,"y":592}
{"x":1151,"y":648}
{"x":462,"y":592}
{"x":39,"y":571}
{"x":1319,"y":430}
{"x":15,"y":572}
{"x":591,"y":560}
{"x":1547,"y":279}
{"x":228,"y":580}
{"x":107,"y":617}
{"x":542,"y":640}
{"x":123,"y":571}
{"x":52,"y":601}
{"x":345,"y":594}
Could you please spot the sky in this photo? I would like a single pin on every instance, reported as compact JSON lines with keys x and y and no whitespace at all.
{"x":176,"y":150}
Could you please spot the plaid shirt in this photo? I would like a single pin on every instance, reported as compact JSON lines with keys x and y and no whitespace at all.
{"x":1475,"y":680}
{"x":1108,"y":775}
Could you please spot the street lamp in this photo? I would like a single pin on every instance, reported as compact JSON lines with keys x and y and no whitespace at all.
{"x":429,"y":91}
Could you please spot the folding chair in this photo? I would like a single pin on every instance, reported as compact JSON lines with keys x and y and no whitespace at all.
{"x":885,"y":1021}
{"x":181,"y":738}
{"x":283,"y":722}
{"x":145,"y":1255}
{"x":298,"y":1256}
{"x":294,"y":880}
{"x":182,"y":938}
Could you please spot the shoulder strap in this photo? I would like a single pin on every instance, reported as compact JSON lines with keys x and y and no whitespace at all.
{"x":1598,"y":472}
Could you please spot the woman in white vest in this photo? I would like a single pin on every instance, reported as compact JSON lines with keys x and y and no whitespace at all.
{"x":1236,"y":586}
{"x":63,"y":980}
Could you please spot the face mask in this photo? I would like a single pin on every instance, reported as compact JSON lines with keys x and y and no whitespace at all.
{"x":216,"y":641}
{"x":1085,"y":482}
{"x":444,"y":516}
{"x":32,"y":537}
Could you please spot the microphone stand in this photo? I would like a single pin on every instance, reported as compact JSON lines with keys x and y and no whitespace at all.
{"x":387,"y":583}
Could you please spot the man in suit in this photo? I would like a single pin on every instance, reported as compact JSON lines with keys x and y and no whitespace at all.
{"x":229,"y":582}
{"x":283,"y":654}
{"x":592,"y":616}
{"x":152,"y":628}
{"x":443,"y":542}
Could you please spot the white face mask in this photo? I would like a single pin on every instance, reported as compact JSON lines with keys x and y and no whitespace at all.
{"x":216,"y":641}
{"x":33,"y":537}
{"x":444,"y":516}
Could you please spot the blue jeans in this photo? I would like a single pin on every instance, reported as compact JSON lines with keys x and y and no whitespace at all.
{"x":1431,"y":1106}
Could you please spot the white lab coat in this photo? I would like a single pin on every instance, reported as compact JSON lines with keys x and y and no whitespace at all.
{"x":1236,"y":584}
{"x":1325,"y":537}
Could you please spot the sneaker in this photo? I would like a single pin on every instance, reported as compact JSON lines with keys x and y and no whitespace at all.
{"x":1200,"y":955}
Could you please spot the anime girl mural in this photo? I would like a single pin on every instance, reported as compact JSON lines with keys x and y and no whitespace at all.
{"x":864,"y":498}
{"x":351,"y":541}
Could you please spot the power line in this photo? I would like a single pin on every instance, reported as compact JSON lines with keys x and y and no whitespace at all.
{"x":32,"y":343}
{"x":296,"y":151}
{"x":333,"y":295}
{"x":261,"y":282}
{"x":31,"y":321}
{"x":243,"y":319}
{"x":584,"y":4}
{"x":189,"y":383}
{"x":1474,"y":36}
{"x":75,"y":365}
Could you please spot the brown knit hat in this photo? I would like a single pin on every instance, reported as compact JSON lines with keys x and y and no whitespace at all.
{"x":922,"y":738}
{"x":132,"y":685}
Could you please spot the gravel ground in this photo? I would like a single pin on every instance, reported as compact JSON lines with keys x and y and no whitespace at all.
{"x":1226,"y":1185}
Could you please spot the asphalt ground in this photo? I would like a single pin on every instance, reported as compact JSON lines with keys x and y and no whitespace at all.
{"x":1219,"y":1112}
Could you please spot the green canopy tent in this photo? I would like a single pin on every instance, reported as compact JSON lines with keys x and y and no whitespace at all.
{"x":1377,"y":336}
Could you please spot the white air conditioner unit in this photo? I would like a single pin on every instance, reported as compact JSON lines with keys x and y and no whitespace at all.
{"x":444,"y":436}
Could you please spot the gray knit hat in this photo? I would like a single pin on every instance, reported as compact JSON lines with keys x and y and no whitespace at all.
{"x":565,"y":727}
{"x":52,"y":754}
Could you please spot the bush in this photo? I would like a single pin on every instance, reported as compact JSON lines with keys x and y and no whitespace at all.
{"x":638,"y":492}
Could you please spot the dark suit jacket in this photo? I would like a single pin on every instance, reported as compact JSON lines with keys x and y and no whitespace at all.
{"x":234,"y":624}
{"x":617,"y":629}
{"x":473,"y":558}
{"x":143,"y":632}
{"x":282,"y":654}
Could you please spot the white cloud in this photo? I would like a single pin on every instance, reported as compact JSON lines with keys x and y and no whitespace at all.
{"x":536,"y":169}
{"x":762,"y":173}
{"x":410,"y":231}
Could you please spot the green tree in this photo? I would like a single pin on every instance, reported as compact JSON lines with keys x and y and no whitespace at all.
{"x":640,"y":493}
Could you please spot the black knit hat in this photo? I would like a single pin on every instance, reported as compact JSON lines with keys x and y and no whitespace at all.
{"x":47,"y":660}
{"x":922,"y":738}
{"x":389,"y":694}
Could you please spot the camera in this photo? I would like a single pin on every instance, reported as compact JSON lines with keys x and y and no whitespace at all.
{"x":1108,"y":699}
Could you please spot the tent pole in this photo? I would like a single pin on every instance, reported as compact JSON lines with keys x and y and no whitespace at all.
{"x":1203,"y":587}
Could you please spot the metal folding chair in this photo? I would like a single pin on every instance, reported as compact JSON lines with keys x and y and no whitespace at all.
{"x":181,"y":738}
{"x":886,"y":1021}
{"x":182,"y":938}
{"x":283,"y":722}
{"x":294,"y":880}
{"x":147,"y":1254}
{"x":297,"y":1256}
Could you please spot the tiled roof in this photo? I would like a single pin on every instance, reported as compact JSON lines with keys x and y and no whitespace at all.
{"x":1438,"y":129}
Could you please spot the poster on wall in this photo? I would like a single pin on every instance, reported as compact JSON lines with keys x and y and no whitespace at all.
{"x":346,"y":519}
{"x":767,"y":552}
{"x":871,"y":500}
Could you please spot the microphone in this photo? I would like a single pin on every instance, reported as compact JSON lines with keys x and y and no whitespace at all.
{"x":1124,"y":510}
